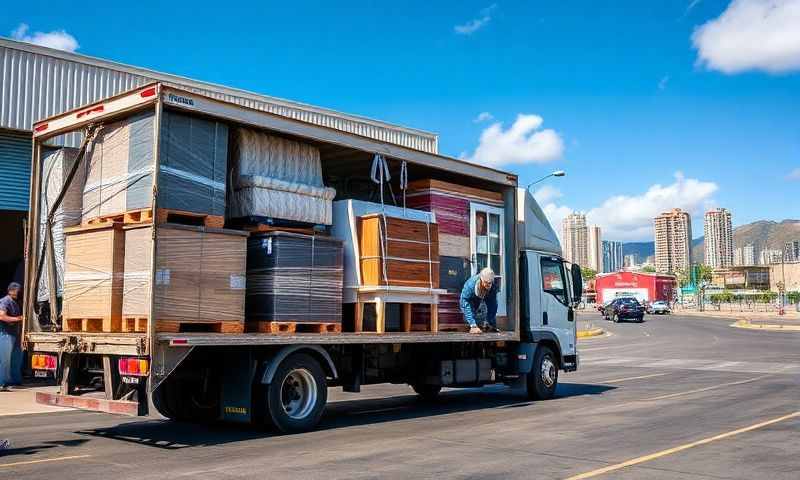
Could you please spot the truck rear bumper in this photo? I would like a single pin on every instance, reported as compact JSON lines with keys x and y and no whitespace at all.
{"x":119,"y":407}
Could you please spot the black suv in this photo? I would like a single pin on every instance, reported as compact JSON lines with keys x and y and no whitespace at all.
{"x":624,"y":309}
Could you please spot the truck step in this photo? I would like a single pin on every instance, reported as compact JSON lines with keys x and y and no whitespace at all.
{"x":168,"y":326}
{"x":165,"y":215}
{"x":294,"y":327}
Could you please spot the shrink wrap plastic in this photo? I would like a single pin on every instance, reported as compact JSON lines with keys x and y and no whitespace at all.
{"x":278,"y":178}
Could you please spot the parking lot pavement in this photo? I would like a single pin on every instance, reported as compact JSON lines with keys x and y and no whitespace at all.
{"x":673,"y":397}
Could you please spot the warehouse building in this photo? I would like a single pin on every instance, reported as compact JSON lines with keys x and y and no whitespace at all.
{"x":647,"y":287}
{"x":38,"y":82}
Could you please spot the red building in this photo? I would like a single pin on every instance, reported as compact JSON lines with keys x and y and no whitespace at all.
{"x":649,"y":287}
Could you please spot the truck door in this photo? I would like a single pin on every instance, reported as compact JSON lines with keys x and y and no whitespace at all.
{"x":556,"y":312}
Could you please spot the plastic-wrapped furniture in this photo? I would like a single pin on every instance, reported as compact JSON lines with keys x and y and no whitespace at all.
{"x":193,"y":165}
{"x":56,"y":165}
{"x":274,"y":177}
{"x":294,"y":278}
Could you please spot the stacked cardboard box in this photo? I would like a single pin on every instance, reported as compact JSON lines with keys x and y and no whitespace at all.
{"x":93,"y":281}
{"x":199,"y":278}
{"x":193,"y":163}
{"x":294,"y":278}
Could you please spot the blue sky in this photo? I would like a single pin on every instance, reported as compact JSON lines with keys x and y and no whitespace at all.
{"x":617,"y":92}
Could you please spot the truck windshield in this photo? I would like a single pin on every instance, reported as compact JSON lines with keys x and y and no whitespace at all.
{"x":553,"y":280}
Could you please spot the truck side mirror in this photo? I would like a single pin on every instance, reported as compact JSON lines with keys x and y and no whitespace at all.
{"x":577,"y":283}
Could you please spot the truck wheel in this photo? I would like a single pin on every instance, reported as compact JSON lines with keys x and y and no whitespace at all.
{"x":297,"y":395}
{"x":543,"y":378}
{"x":427,"y":392}
{"x":616,"y":318}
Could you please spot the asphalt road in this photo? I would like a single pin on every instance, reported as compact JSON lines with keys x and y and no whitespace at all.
{"x":672,"y":398}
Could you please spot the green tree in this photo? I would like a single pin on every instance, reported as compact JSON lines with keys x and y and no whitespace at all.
{"x":649,"y":269}
{"x":587,"y":273}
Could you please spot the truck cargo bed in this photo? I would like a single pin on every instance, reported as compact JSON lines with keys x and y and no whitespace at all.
{"x":206,"y":339}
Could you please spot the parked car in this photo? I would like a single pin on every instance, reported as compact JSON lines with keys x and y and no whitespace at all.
{"x":601,"y":307}
{"x":659,"y":308}
{"x":624,"y":309}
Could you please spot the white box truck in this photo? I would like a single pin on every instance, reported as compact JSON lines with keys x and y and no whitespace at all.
{"x":283,"y":379}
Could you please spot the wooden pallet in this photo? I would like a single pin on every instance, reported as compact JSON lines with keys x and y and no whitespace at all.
{"x":165,"y":215}
{"x":294,"y":327}
{"x":261,"y":228}
{"x":144,"y":215}
{"x":89,"y":325}
{"x":168,"y":326}
{"x":133,"y":324}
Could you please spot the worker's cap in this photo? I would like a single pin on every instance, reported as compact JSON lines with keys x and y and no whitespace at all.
{"x":14,"y":286}
{"x":487,"y":275}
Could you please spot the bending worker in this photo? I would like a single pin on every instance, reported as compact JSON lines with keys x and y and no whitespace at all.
{"x":479,"y":301}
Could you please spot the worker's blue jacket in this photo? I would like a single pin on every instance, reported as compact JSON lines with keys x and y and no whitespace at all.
{"x":470,"y":303}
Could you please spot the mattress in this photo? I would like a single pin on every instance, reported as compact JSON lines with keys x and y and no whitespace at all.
{"x":278,"y":178}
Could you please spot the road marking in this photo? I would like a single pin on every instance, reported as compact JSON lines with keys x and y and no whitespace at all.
{"x":618,"y":380}
{"x":705,"y":389}
{"x":680,"y":448}
{"x":31,"y":462}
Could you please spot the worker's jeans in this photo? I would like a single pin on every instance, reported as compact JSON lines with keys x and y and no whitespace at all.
{"x":10,"y":360}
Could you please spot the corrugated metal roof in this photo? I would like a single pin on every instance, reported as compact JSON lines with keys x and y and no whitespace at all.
{"x":38,"y":82}
{"x":15,"y":166}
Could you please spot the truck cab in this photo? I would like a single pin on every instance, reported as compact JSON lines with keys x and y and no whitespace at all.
{"x":550,"y":286}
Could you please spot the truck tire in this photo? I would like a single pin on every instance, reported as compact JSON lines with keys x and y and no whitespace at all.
{"x":426,"y":391}
{"x":543,"y":378}
{"x":296,"y":397}
{"x":615,"y":319}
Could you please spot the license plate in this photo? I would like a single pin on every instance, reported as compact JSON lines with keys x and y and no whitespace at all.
{"x":131,"y":380}
{"x":41,"y":373}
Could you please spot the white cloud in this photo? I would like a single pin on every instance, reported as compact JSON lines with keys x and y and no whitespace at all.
{"x":58,"y":39}
{"x":794,"y":174}
{"x":662,"y":84}
{"x":630,"y":218}
{"x":547,"y":194}
{"x":751,"y":35}
{"x":476,"y":24}
{"x":522,"y":143}
{"x":483,"y":117}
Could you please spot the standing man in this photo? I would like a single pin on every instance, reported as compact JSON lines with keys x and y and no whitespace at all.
{"x":10,"y":352}
{"x":479,"y":301}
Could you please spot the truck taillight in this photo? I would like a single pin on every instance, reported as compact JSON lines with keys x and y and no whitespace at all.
{"x":41,"y":361}
{"x":135,"y":367}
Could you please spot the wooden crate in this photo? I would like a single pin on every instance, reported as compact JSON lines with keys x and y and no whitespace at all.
{"x":398,"y":252}
{"x":93,"y":279}
{"x":199,"y":278}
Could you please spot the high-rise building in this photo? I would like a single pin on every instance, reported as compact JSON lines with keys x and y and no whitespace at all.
{"x":612,"y":256}
{"x":770,"y":256}
{"x":718,"y":238}
{"x":575,"y":237}
{"x":791,"y":251}
{"x":749,"y":255}
{"x":737,"y":257}
{"x":673,"y":232}
{"x":629,"y":261}
{"x":595,"y":249}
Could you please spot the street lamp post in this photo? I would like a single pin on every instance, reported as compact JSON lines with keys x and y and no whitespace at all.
{"x":557,"y":173}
